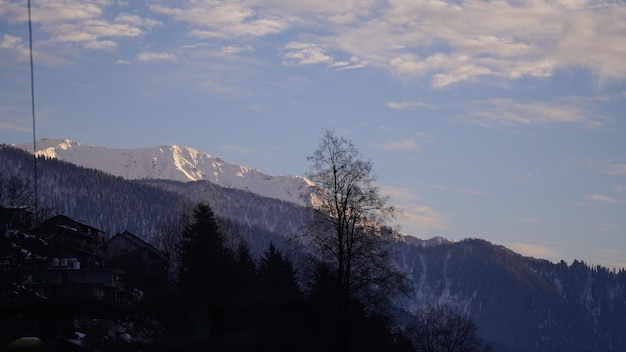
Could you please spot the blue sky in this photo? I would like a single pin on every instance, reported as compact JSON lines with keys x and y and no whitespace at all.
{"x":494,"y":119}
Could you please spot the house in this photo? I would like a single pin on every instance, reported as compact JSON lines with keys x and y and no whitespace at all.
{"x":74,"y":262}
{"x":72,"y":241}
{"x":145,"y":267}
{"x":73,"y":283}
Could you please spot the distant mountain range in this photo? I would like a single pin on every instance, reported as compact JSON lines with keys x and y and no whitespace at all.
{"x":173,"y":163}
{"x":518,"y":303}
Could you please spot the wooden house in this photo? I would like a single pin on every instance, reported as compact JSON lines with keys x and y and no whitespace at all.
{"x":72,"y":241}
{"x":145,"y":267}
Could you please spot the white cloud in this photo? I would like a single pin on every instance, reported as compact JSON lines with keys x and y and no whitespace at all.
{"x":453,"y":42}
{"x":423,"y":218}
{"x":235,"y":148}
{"x":101,"y":45}
{"x":618,"y":188}
{"x":405,"y":144}
{"x":602,"y":198}
{"x":224,"y":20}
{"x":406,"y":105}
{"x":299,"y":53}
{"x":305,"y":54}
{"x":14,"y":45}
{"x":414,"y":217}
{"x":446,"y":41}
{"x":235,"y":49}
{"x":535,"y":251}
{"x":153,"y":56}
{"x":456,"y":189}
{"x":10,"y":42}
{"x":353,"y":63}
{"x":615,"y":169}
{"x":62,"y":27}
{"x":507,"y":112}
{"x":91,"y":31}
{"x":138,"y":21}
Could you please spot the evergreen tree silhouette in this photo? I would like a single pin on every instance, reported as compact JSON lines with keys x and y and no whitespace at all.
{"x":278,"y":275}
{"x":245,"y":275}
{"x":206,"y":262}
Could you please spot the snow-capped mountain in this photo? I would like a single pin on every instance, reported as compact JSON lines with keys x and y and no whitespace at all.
{"x":175,"y":163}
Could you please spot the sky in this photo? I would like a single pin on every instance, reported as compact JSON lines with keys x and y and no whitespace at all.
{"x":500,"y":120}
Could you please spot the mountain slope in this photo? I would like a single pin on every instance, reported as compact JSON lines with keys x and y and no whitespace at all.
{"x":518,"y":303}
{"x":173,"y":163}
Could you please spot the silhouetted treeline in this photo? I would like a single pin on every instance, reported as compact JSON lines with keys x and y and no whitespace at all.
{"x":228,"y":301}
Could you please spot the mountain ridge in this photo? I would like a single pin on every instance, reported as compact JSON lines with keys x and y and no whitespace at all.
{"x":172,"y":162}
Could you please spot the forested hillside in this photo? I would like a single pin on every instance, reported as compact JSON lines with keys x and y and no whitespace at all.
{"x":518,"y":303}
{"x":114,"y":204}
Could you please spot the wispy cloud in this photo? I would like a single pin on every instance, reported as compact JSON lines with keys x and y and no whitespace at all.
{"x":152,"y":56}
{"x":405,"y":144}
{"x":456,"y":189}
{"x":452,"y":42}
{"x":415,"y":217}
{"x":138,"y":21}
{"x":406,"y":105}
{"x":305,"y":54}
{"x":299,"y":53}
{"x":507,"y":112}
{"x":601,"y":257}
{"x":235,"y":148}
{"x":235,"y":49}
{"x":602,"y":198}
{"x":224,"y":20}
{"x":447,"y":42}
{"x":605,"y":226}
{"x":14,"y":46}
{"x":535,"y":250}
{"x":615,"y":168}
{"x":65,"y":27}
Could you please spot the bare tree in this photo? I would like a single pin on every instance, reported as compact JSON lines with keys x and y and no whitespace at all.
{"x":16,"y":192}
{"x":347,"y":232}
{"x":169,"y":233}
{"x":443,"y":330}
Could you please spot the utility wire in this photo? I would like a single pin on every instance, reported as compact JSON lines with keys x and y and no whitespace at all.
{"x":32,"y":96}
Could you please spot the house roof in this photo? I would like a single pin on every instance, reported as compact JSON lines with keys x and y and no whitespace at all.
{"x":55,"y":220}
{"x":136,"y":241}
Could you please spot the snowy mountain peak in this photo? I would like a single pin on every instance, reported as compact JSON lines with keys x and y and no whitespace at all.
{"x":172,"y":163}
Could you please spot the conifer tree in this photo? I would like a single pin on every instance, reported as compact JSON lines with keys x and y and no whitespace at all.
{"x":278,"y":274}
{"x":244,"y":275}
{"x":206,"y":262}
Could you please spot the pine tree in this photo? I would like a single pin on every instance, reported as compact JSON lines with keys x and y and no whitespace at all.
{"x":245,"y":275}
{"x":278,"y":274}
{"x":206,"y":263}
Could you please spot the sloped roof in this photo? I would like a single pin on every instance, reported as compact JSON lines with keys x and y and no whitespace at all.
{"x":61,"y":217}
{"x":137,"y":242}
